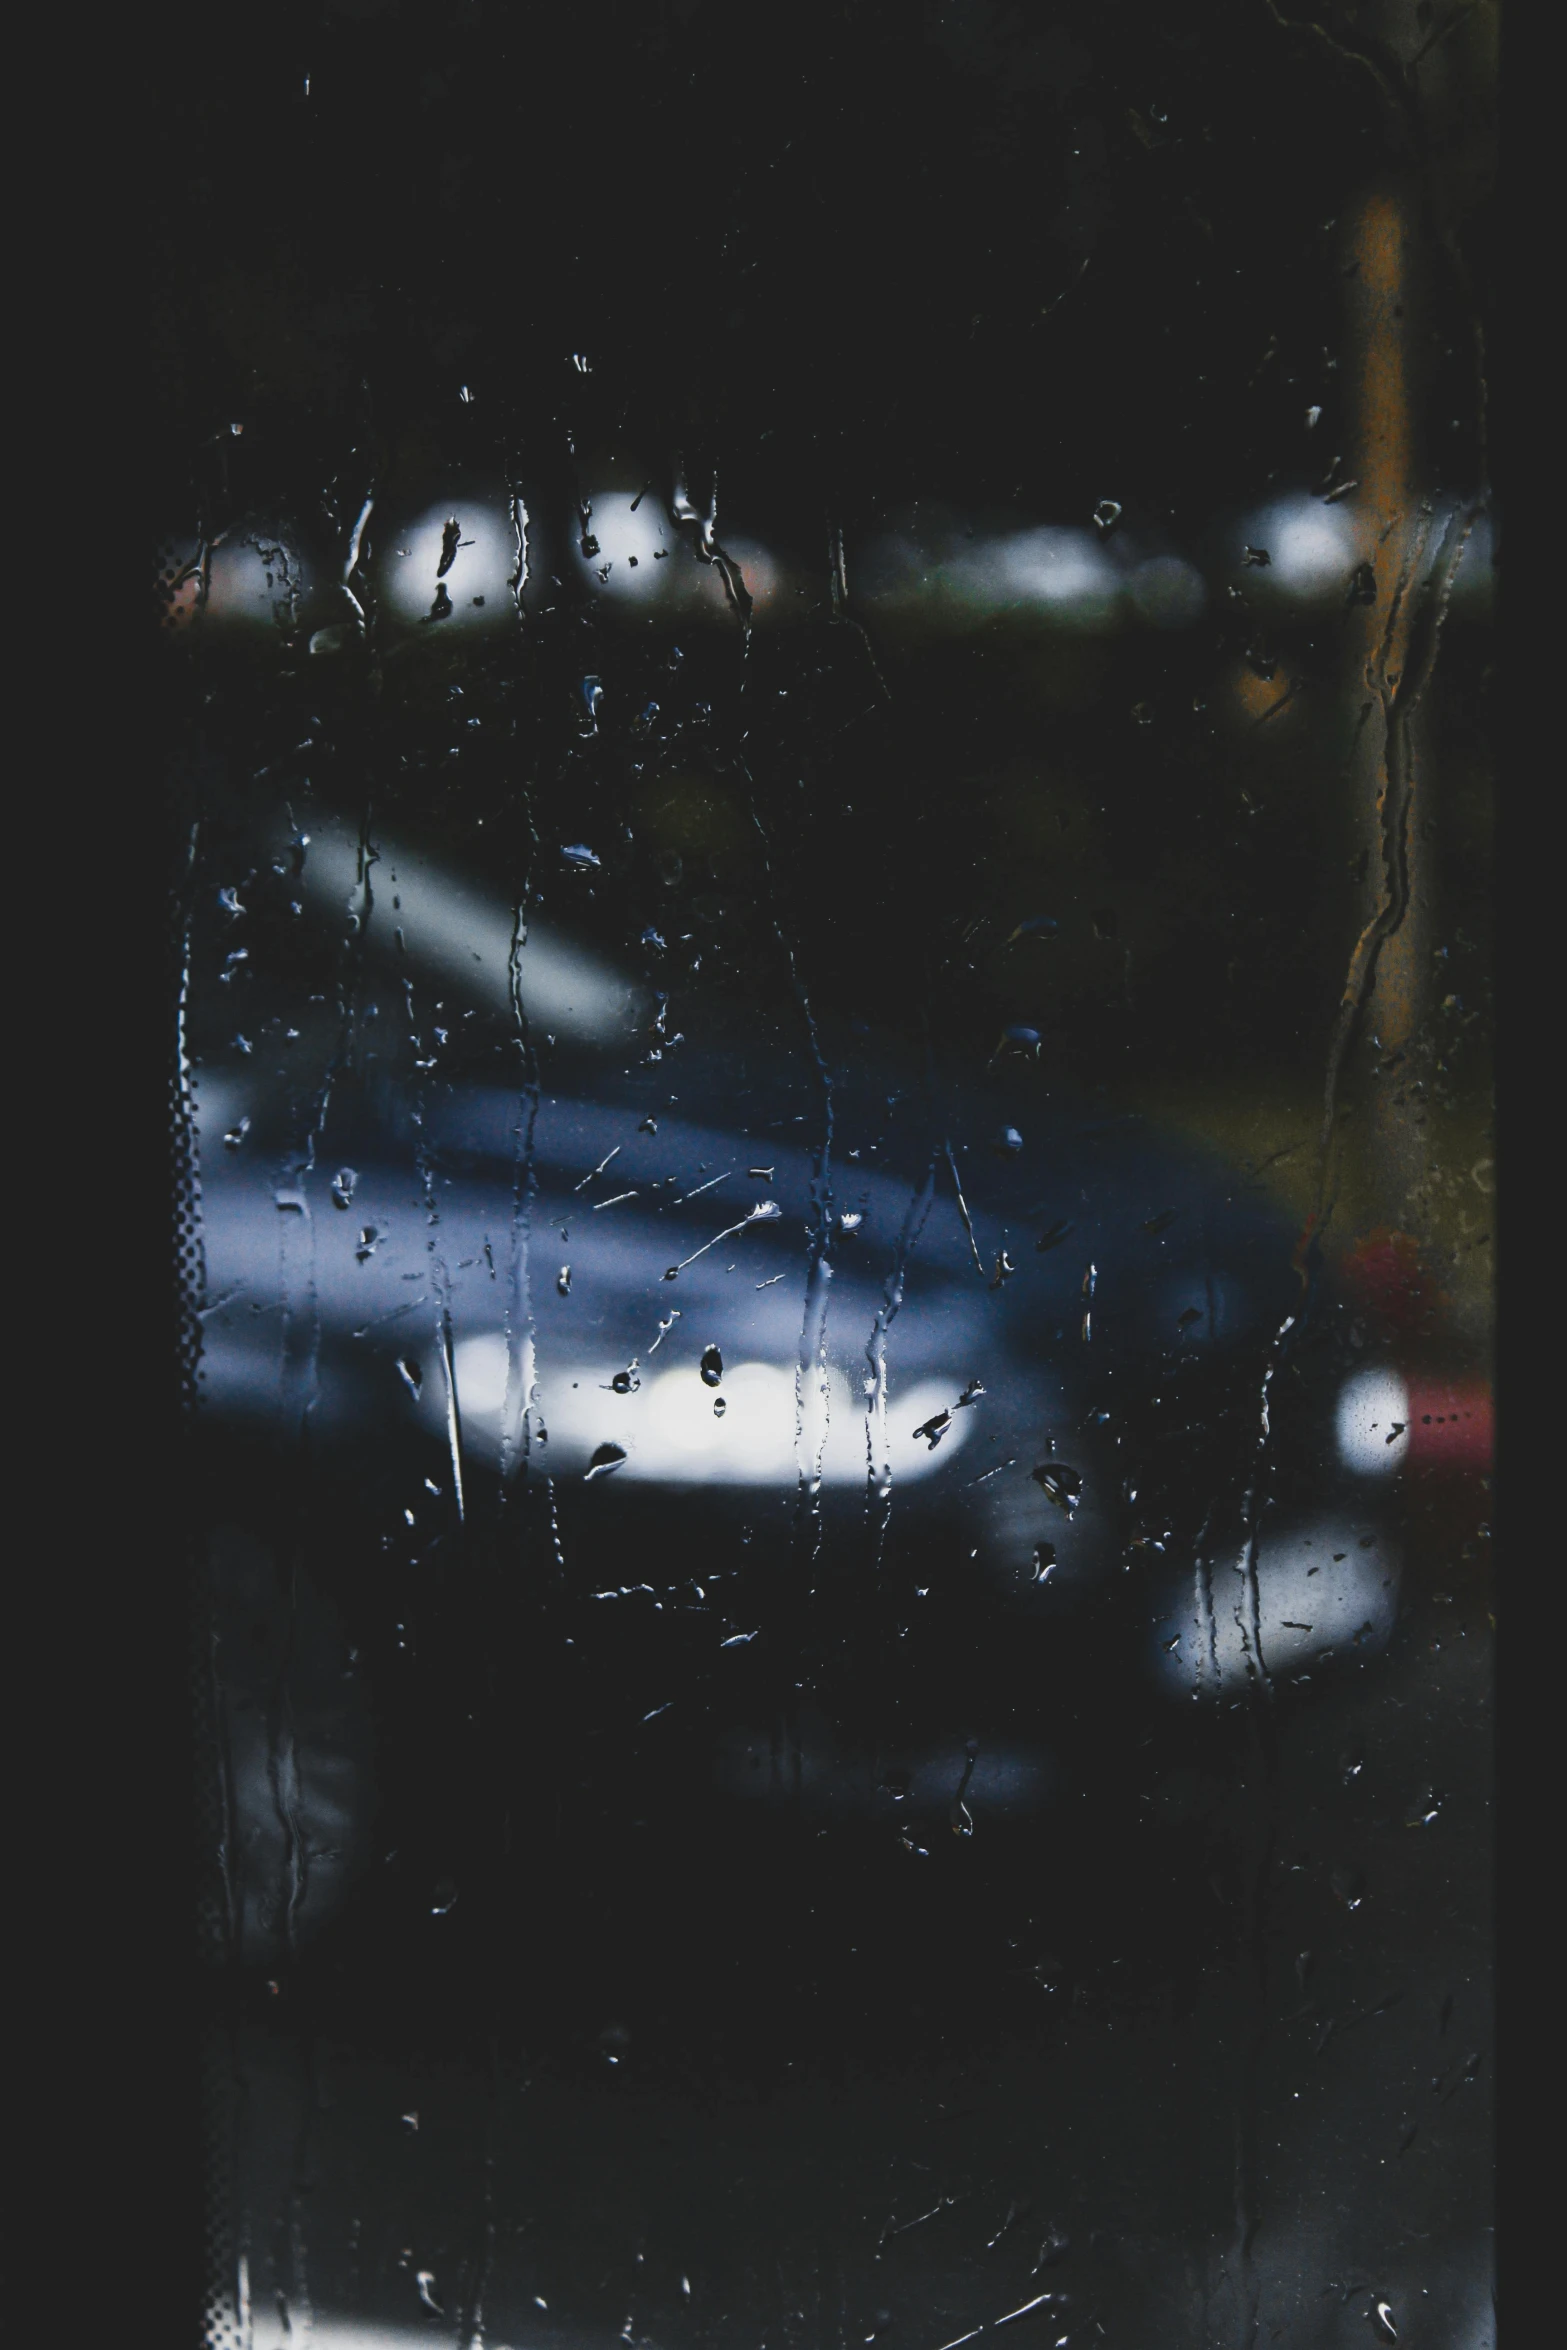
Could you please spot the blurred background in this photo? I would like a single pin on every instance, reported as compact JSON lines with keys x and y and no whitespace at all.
{"x":892,"y":610}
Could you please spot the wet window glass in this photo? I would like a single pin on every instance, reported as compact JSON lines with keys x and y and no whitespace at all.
{"x":832,"y":747}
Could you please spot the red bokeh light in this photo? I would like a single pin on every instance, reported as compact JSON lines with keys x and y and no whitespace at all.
{"x":1451,"y":1425}
{"x":1388,"y":1283}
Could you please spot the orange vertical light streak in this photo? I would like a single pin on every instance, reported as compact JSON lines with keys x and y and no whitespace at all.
{"x":1382,"y":456}
{"x":1382,"y":460}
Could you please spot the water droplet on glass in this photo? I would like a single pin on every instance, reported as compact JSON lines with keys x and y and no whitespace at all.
{"x":1255,"y":558}
{"x":1037,"y":926}
{"x":935,"y":1428}
{"x":411,"y":1375}
{"x":712,"y":1366}
{"x":343,"y":1187}
{"x":563,"y":1281}
{"x":960,"y":1817}
{"x":1062,"y":1485}
{"x":719,"y":1407}
{"x":1054,"y":1237}
{"x":579,"y":857}
{"x":605,"y":1458}
{"x":444,"y":1898}
{"x":236,"y":1135}
{"x":1107,"y":514}
{"x":625,"y":1382}
{"x":1008,"y":1142}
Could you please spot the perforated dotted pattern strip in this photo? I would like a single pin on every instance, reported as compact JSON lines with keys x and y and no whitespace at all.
{"x":224,"y":2323}
{"x":221,"y":2322}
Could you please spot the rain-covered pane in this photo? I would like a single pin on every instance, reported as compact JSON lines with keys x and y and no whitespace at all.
{"x":833,"y":683}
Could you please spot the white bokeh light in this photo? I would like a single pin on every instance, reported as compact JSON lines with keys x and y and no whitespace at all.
{"x":1311,"y":548}
{"x":673,"y":1436}
{"x":643,"y":558}
{"x":255,"y":579}
{"x":1372,"y":1423}
{"x":408,"y":557}
{"x":1321,"y":1587}
{"x":640,"y":558}
{"x":1061,"y":571}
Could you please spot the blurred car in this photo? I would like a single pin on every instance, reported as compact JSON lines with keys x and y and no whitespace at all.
{"x":881,"y":1492}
